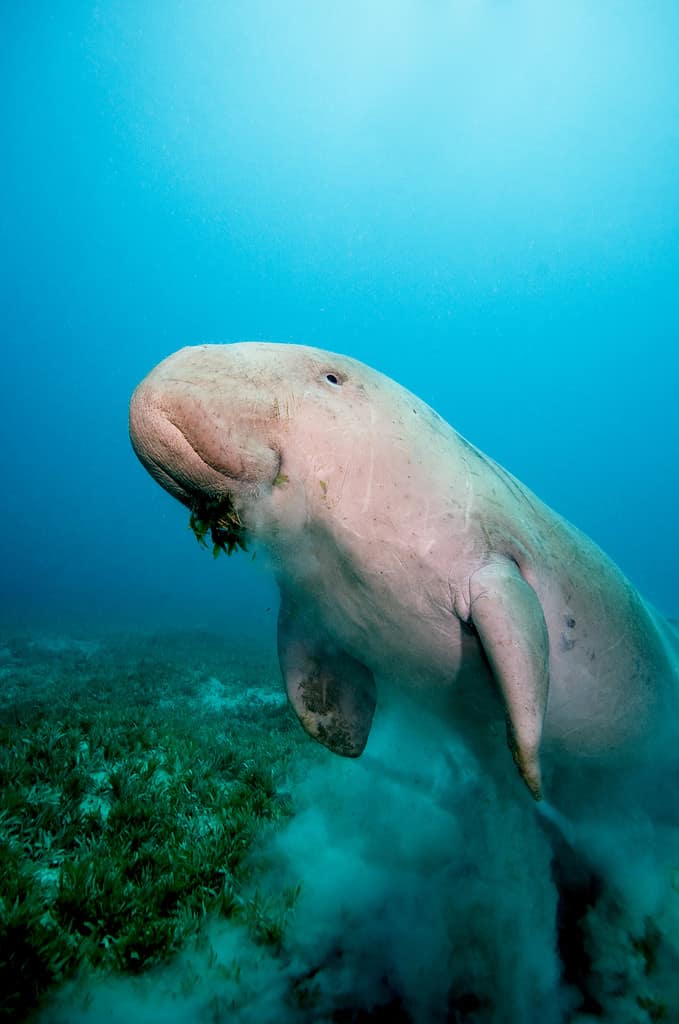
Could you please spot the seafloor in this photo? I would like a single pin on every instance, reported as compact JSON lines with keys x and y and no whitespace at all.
{"x":137,"y":773}
{"x":173,"y":847}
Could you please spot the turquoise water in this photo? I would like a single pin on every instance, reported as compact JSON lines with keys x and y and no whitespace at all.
{"x":477,"y":197}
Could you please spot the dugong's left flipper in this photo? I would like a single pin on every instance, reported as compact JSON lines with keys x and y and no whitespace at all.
{"x":332,"y":693}
{"x":508,"y":617}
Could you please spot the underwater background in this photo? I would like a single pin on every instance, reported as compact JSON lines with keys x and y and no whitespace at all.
{"x":480,"y":198}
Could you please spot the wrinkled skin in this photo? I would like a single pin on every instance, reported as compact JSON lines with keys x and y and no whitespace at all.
{"x":403,"y":552}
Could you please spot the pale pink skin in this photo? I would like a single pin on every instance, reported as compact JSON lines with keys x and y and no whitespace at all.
{"x":411,"y":553}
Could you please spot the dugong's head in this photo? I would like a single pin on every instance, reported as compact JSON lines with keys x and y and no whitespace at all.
{"x":220,"y":426}
{"x":257,"y":439}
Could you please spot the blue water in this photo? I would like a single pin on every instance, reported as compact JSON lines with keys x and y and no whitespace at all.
{"x":478,"y":198}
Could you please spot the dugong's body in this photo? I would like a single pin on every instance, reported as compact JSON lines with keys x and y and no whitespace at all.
{"x":402,"y":551}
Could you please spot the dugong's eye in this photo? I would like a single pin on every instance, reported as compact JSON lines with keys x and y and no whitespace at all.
{"x":334,"y":379}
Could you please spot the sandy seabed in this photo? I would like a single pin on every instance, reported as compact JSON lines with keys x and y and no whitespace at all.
{"x":174,"y":848}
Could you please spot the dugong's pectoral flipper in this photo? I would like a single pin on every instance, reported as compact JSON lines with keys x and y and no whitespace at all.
{"x":332,"y":693}
{"x":508,"y":617}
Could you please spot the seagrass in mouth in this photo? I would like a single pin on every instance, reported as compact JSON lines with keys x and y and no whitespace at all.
{"x":218,"y":518}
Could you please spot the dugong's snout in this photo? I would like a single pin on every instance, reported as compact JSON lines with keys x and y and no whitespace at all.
{"x":160,"y":446}
{"x":190,"y":431}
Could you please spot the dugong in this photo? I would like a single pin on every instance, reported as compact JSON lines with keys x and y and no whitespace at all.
{"x":402,"y":551}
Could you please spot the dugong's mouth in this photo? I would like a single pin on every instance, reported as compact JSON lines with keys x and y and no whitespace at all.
{"x":209,"y":499}
{"x":209,"y":446}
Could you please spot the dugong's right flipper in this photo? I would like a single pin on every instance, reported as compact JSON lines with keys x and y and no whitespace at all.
{"x":508,"y":617}
{"x":332,"y":693}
